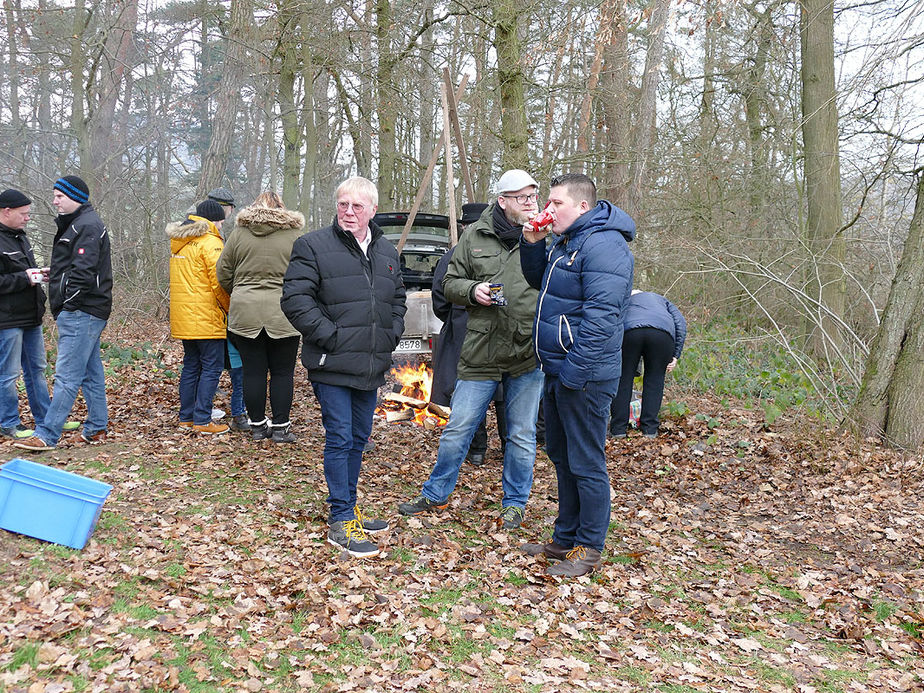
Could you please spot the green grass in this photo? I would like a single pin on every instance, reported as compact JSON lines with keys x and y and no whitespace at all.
{"x":884,"y":610}
{"x":142,"y":612}
{"x":635,"y":675}
{"x":513,"y":579}
{"x":837,"y":680}
{"x":772,"y":675}
{"x":25,"y":654}
{"x":441,"y":599}
{"x":794,"y":616}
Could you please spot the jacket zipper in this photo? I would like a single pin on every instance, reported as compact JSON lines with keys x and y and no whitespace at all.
{"x":545,"y":290}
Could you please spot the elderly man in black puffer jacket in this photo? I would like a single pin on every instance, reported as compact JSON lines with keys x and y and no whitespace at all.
{"x":343,"y":292}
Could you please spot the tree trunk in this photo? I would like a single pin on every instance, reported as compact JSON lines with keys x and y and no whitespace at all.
{"x":511,"y":84}
{"x":890,"y":381}
{"x":824,"y":236}
{"x":288,"y":51}
{"x":647,"y":105}
{"x":386,"y":106}
{"x":616,"y":111}
{"x":12,"y":77}
{"x":109,"y":83}
{"x":78,"y":90}
{"x":215,"y":164}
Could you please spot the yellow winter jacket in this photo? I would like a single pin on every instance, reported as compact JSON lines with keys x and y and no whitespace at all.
{"x":198,"y":304}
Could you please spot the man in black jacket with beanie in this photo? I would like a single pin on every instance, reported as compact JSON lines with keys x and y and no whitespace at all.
{"x":80,"y":297}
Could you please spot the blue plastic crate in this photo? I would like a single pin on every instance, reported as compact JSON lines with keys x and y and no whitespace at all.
{"x":50,"y":504}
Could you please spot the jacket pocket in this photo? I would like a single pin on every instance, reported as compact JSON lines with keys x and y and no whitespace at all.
{"x":488,"y":262}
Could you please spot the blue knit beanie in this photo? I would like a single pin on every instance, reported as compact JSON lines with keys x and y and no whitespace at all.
{"x":74,"y":188}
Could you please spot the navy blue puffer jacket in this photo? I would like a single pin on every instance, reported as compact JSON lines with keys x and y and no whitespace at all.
{"x":584,"y":280}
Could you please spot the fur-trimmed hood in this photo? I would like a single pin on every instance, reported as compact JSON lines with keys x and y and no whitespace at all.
{"x":262,"y":221}
{"x":185,"y":229}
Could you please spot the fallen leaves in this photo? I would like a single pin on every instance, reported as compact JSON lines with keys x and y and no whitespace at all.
{"x":754,"y":559}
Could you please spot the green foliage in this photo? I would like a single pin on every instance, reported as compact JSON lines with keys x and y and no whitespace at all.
{"x":677,"y":409}
{"x":722,"y":360}
{"x":134,"y":357}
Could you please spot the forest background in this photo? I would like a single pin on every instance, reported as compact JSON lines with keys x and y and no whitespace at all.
{"x":769,"y":151}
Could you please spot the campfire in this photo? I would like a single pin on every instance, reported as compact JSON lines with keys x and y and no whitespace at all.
{"x":410,"y":400}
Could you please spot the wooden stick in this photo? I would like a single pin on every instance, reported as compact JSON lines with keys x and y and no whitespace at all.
{"x":421,"y":191}
{"x":450,"y":178}
{"x":460,"y":142}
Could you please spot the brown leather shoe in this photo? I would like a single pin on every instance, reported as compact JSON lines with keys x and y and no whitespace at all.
{"x":552,"y":551}
{"x":580,"y":560}
{"x":33,"y":444}
{"x":211,"y":429}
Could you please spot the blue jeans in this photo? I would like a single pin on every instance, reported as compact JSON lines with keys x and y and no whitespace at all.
{"x":347,"y":417}
{"x":22,"y":347}
{"x":469,"y":404}
{"x":78,"y":367}
{"x":575,"y":436}
{"x":203,"y":362}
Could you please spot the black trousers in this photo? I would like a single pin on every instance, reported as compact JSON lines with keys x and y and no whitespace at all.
{"x":262,"y":355}
{"x":656,"y":348}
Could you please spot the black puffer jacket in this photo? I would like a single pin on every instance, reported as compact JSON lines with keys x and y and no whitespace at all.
{"x":81,"y":268}
{"x":21,"y":303}
{"x":348,"y":307}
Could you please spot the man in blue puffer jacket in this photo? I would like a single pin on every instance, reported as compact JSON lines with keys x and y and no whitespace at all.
{"x":584,"y":279}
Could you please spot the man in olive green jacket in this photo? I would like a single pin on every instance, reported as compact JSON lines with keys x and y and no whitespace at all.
{"x":485,"y":276}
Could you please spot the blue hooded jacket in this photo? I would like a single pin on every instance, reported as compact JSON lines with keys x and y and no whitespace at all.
{"x":584,"y":279}
{"x":648,"y":309}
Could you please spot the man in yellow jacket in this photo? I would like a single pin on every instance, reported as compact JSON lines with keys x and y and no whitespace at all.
{"x":198,"y":313}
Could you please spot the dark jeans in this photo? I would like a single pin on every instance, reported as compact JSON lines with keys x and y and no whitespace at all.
{"x":656,"y":348}
{"x":203,"y":362}
{"x":575,"y":436}
{"x":347,"y":417}
{"x":262,"y":355}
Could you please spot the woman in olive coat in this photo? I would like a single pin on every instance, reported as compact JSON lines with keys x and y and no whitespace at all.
{"x":251,"y":269}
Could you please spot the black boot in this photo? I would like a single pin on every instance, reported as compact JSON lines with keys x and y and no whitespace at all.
{"x":282,"y":434}
{"x":260,"y":431}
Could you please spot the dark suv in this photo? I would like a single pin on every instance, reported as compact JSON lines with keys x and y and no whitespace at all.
{"x":426,"y":243}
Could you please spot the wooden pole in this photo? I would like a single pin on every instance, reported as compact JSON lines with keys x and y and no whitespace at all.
{"x":450,"y":178}
{"x":421,"y":191}
{"x":460,"y":142}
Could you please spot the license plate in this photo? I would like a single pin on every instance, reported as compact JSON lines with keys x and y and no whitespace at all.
{"x":408,"y":345}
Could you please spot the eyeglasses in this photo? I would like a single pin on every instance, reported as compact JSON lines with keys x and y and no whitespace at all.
{"x":356,"y":206}
{"x":523,"y":199}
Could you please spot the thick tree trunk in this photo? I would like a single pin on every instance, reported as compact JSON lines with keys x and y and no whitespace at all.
{"x":824,"y":236}
{"x":511,"y":83}
{"x":387,"y":104}
{"x":645,"y":125}
{"x":890,"y":381}
{"x":109,"y":85}
{"x":215,"y":164}
{"x":617,"y":113}
{"x":288,"y":52}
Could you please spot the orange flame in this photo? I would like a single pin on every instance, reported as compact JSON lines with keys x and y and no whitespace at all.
{"x":416,"y":382}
